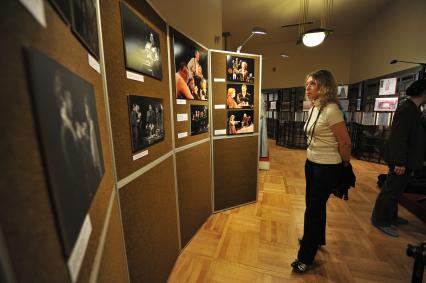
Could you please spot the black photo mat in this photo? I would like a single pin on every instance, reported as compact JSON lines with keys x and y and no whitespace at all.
{"x":185,"y":51}
{"x":84,"y":24}
{"x":243,"y":100}
{"x":240,"y":69}
{"x":199,"y":119}
{"x":240,"y":122}
{"x":141,"y":45}
{"x":146,"y":117}
{"x":66,"y":116}
{"x":64,"y":9}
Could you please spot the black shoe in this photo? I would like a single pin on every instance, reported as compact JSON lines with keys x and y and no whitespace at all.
{"x":400,"y":221}
{"x":299,"y":267}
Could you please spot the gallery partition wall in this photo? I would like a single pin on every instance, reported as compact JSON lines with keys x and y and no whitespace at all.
{"x":236,"y":101}
{"x":122,"y":136}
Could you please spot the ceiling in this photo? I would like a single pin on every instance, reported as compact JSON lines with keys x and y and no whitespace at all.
{"x":240,"y":16}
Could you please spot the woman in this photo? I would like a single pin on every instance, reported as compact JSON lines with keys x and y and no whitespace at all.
{"x":230,"y":102}
{"x":231,"y":126}
{"x":328,"y":150}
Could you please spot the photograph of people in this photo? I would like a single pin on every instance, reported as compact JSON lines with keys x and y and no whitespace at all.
{"x":199,"y":119}
{"x":240,"y":122}
{"x":146,"y":121}
{"x":328,"y":150}
{"x":191,"y":59}
{"x":240,"y":69}
{"x":141,"y":44}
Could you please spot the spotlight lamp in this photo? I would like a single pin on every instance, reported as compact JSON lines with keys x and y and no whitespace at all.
{"x":255,"y":30}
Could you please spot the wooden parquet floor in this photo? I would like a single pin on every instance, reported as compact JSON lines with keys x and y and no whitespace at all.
{"x":257,"y":242}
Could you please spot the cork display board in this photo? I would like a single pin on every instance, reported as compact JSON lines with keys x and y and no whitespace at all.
{"x":24,"y":162}
{"x":194,"y":189}
{"x":120,"y":86}
{"x":182,"y":50}
{"x":235,"y":175}
{"x":149,"y":214}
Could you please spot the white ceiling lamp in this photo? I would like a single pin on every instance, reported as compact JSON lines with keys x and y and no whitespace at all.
{"x":315,"y":37}
{"x":255,"y":30}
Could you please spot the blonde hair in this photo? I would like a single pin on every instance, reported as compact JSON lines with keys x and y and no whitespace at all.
{"x":327,"y":88}
{"x":230,"y":91}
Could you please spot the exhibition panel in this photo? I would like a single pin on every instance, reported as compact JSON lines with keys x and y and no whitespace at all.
{"x":150,"y":225}
{"x":235,"y":107}
{"x":137,"y":74}
{"x":59,"y":162}
{"x":194,"y":187}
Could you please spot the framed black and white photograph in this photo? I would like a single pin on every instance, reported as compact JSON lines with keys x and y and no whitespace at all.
{"x":241,"y":96}
{"x":358,"y":104}
{"x":64,"y":9}
{"x":240,"y":69}
{"x":387,"y":86}
{"x":191,"y":68}
{"x":199,"y":119}
{"x":240,"y":122}
{"x":383,"y":119}
{"x":146,"y":115}
{"x":141,"y":44}
{"x":386,"y":104}
{"x":342,"y":91}
{"x":67,"y":120}
{"x":84,"y":24}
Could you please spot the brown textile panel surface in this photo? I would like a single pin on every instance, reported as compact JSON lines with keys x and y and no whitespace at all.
{"x":119,"y":87}
{"x":218,"y":61}
{"x":28,"y":202}
{"x":113,"y":266}
{"x":194,"y":189}
{"x":150,"y":226}
{"x":235,"y":171}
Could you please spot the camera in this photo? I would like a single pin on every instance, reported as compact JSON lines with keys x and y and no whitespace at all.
{"x":419,"y":255}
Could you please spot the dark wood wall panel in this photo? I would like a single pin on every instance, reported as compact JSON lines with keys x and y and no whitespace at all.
{"x":194,"y":189}
{"x":149,"y":215}
{"x":119,"y":87}
{"x":235,"y":171}
{"x":114,"y":263}
{"x":35,"y":250}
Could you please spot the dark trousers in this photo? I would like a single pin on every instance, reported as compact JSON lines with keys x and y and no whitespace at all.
{"x":385,"y":211}
{"x":320,"y":180}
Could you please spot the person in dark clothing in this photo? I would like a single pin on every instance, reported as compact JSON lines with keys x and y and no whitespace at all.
{"x":405,"y":154}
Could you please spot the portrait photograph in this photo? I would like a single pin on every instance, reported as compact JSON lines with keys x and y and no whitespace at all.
{"x":386,"y":104}
{"x":67,"y":120}
{"x":199,"y":119}
{"x":141,"y":44}
{"x":240,"y":69}
{"x":240,"y":96}
{"x":146,"y":116}
{"x":240,"y":122}
{"x":63,"y":7}
{"x":342,"y":91}
{"x":191,"y":70}
{"x":387,"y":86}
{"x":85,"y":25}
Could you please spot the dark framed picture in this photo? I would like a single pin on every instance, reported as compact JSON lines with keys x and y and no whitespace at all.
{"x":141,"y":44}
{"x":199,"y":119}
{"x":240,"y":122}
{"x":240,"y":69}
{"x":146,"y":116}
{"x":84,"y":24}
{"x":191,"y":68}
{"x":64,"y":9}
{"x":342,"y":91}
{"x":240,"y":96}
{"x":65,"y":112}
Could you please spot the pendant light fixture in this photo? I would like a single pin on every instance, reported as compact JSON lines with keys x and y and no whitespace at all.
{"x":315,"y":37}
